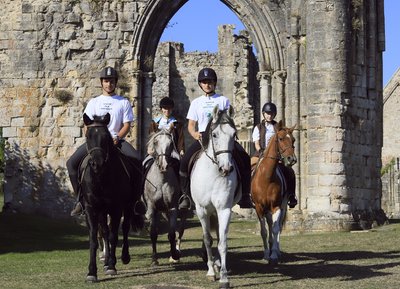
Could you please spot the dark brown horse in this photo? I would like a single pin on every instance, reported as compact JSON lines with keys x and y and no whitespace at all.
{"x":266,"y":189}
{"x":110,"y":187}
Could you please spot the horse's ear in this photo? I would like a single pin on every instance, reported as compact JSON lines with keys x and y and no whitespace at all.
{"x":231,"y":111}
{"x":279,"y":125}
{"x":215,"y":113}
{"x":107,"y":118}
{"x":292,"y":128}
{"x":86,"y":119}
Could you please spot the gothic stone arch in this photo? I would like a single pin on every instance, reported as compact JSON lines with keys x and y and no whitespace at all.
{"x":316,"y":61}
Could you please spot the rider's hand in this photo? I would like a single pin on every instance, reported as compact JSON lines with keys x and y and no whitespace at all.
{"x":197,"y":135}
{"x":116,"y":140}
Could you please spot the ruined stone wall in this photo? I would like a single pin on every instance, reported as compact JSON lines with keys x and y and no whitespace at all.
{"x":319,"y":61}
{"x":50,"y":55}
{"x":391,"y":148}
{"x":176,"y":76}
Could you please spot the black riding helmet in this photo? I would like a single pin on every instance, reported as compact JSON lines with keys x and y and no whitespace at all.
{"x":108,"y":72}
{"x":269,"y":107}
{"x":207,"y":74}
{"x":166,"y":103}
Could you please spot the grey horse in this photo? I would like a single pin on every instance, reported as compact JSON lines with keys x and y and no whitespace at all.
{"x":162,"y":192}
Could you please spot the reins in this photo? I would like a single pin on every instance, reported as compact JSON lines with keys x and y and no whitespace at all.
{"x":279,"y":151}
{"x":215,"y":153}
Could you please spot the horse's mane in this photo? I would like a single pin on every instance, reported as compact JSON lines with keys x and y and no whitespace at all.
{"x":222,"y":117}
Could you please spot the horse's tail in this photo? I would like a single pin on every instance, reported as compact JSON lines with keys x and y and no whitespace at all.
{"x":137,"y":223}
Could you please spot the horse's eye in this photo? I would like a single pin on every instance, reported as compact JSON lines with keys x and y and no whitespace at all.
{"x":214,"y":135}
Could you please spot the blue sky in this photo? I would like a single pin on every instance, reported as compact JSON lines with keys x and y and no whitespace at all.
{"x":193,"y":26}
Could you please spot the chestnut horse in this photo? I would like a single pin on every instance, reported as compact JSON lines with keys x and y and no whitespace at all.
{"x":266,"y":189}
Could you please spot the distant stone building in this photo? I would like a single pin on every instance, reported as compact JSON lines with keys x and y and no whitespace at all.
{"x":391,"y":148}
{"x":320,"y":61}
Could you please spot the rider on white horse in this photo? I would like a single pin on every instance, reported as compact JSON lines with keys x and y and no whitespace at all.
{"x":199,"y":113}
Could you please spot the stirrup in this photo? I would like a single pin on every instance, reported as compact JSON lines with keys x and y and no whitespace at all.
{"x":182,"y":200}
{"x":78,"y":210}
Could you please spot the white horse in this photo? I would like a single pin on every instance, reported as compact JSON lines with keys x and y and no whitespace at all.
{"x":162,"y":191}
{"x":214,"y":182}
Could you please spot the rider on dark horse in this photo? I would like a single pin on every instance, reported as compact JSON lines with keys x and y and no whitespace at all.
{"x":262,"y":133}
{"x":121,"y":114}
{"x":199,"y":114}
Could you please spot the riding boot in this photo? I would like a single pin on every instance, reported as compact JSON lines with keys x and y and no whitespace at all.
{"x":184,"y":201}
{"x":292,"y":200}
{"x":78,"y":208}
{"x":291,"y":187}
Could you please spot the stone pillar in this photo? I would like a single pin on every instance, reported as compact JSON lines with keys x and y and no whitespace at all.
{"x":278,"y":95}
{"x":327,"y":78}
{"x":146,"y":104}
{"x":264,"y":77}
{"x":135,"y":100}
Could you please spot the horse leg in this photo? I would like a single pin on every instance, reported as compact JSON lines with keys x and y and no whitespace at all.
{"x":224,"y":217}
{"x":180,"y":230}
{"x":101,"y":246}
{"x":175,"y":254}
{"x":207,"y":239}
{"x":276,"y":229}
{"x":154,"y":220}
{"x":126,"y":225}
{"x":263,"y":233}
{"x":104,"y":233}
{"x":114,"y":226}
{"x":92,"y":223}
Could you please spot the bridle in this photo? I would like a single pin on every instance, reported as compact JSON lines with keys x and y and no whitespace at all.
{"x":279,"y":150}
{"x":157,"y":156}
{"x":97,"y":148}
{"x":215,"y":153}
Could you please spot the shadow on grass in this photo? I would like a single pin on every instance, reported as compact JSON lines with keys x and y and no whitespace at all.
{"x":22,"y":233}
{"x":347,"y":266}
{"x":29,"y":233}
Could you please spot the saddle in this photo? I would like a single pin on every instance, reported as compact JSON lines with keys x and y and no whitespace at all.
{"x":85,"y":162}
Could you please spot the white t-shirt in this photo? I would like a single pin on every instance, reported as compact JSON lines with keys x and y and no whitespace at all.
{"x":117,"y":106}
{"x":201,"y":108}
{"x":163,"y":122}
{"x":269,"y":132}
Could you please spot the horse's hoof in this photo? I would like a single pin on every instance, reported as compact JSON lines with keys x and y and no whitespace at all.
{"x":154,"y":263}
{"x":176,"y":255}
{"x":224,"y":285}
{"x":212,"y":278}
{"x":91,"y":278}
{"x":125,"y":260}
{"x":174,"y":261}
{"x":273,"y":262}
{"x":111,"y":272}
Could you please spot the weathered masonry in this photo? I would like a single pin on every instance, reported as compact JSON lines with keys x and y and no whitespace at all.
{"x":320,"y":61}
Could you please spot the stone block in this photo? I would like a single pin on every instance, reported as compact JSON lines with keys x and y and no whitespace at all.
{"x":9,"y":132}
{"x":18,"y":121}
{"x":71,"y":131}
{"x":318,"y":204}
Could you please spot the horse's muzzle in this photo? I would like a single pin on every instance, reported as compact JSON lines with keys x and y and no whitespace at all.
{"x":290,"y":160}
{"x":225,"y":172}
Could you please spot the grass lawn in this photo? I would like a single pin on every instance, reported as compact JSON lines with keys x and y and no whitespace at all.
{"x":37,"y":252}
